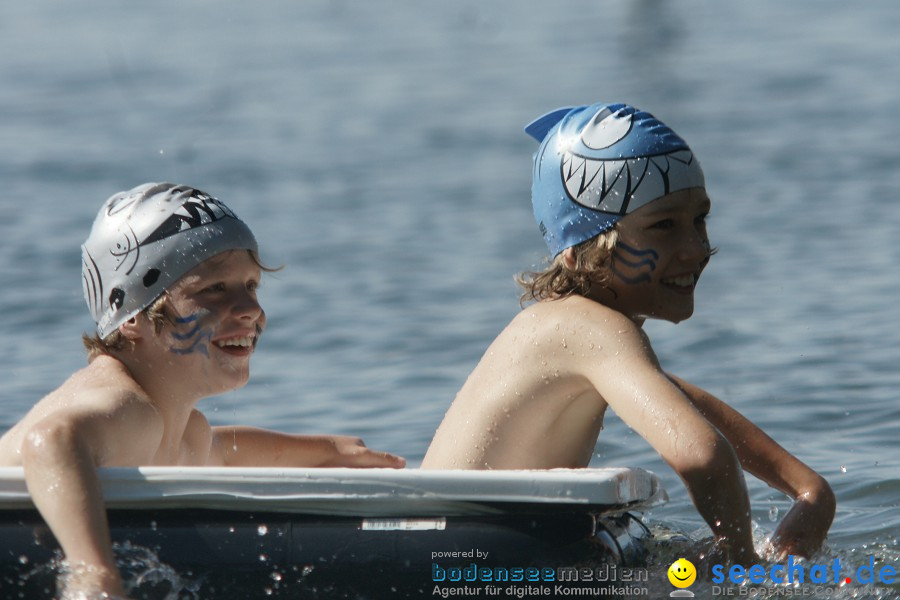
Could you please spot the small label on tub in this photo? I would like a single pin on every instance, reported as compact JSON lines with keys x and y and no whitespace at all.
{"x":404,"y":524}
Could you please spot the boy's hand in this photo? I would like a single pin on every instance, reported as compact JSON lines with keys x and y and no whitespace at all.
{"x":802,"y":530}
{"x":350,"y":451}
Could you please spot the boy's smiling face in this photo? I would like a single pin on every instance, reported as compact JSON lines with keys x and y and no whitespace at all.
{"x":661,"y":251}
{"x":217,"y":320}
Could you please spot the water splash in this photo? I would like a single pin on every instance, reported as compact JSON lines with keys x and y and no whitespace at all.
{"x":143,"y":576}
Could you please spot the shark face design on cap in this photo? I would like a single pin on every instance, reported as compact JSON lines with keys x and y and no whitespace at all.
{"x":598,"y":163}
{"x":147,"y":238}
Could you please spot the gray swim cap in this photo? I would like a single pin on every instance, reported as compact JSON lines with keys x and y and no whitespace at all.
{"x":146,"y":239}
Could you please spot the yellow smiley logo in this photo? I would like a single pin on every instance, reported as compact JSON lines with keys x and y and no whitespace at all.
{"x":682,"y":573}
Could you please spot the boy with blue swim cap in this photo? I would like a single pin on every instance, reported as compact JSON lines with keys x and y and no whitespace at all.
{"x":170,"y":276}
{"x":620,"y":200}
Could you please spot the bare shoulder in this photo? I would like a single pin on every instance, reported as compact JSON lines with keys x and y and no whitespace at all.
{"x":591,"y":342}
{"x":579,"y":324}
{"x":105,"y":387}
{"x":104,"y":404}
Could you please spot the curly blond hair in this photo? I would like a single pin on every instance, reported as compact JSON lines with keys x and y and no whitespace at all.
{"x":593,"y":266}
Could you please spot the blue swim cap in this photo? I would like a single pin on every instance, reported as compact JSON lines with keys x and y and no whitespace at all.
{"x":600,"y":162}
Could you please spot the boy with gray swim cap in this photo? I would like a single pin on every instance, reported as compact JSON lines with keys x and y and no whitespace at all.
{"x":145,"y":239}
{"x":621,"y":203}
{"x":170,"y":276}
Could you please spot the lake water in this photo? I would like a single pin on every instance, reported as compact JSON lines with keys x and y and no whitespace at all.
{"x":377,"y":150}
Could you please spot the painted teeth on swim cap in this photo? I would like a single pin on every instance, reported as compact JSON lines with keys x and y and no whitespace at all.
{"x":600,"y":162}
{"x":145,"y":239}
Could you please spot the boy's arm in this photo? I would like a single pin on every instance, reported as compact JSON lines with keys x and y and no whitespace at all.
{"x":803,"y":529}
{"x":59,"y":457}
{"x":254,"y":447}
{"x":633,"y":385}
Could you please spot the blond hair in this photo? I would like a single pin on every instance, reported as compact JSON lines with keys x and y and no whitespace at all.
{"x":158,"y":313}
{"x":593,"y":266}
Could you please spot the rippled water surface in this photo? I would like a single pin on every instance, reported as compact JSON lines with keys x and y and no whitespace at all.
{"x":376,"y":149}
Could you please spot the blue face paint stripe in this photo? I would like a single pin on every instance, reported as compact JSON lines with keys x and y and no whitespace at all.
{"x":189,"y":334}
{"x":197,"y":346}
{"x":195,"y":333}
{"x":640,"y":262}
{"x":188,"y":319}
{"x":637,"y":264}
{"x":639,"y":279}
{"x":635,"y":251}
